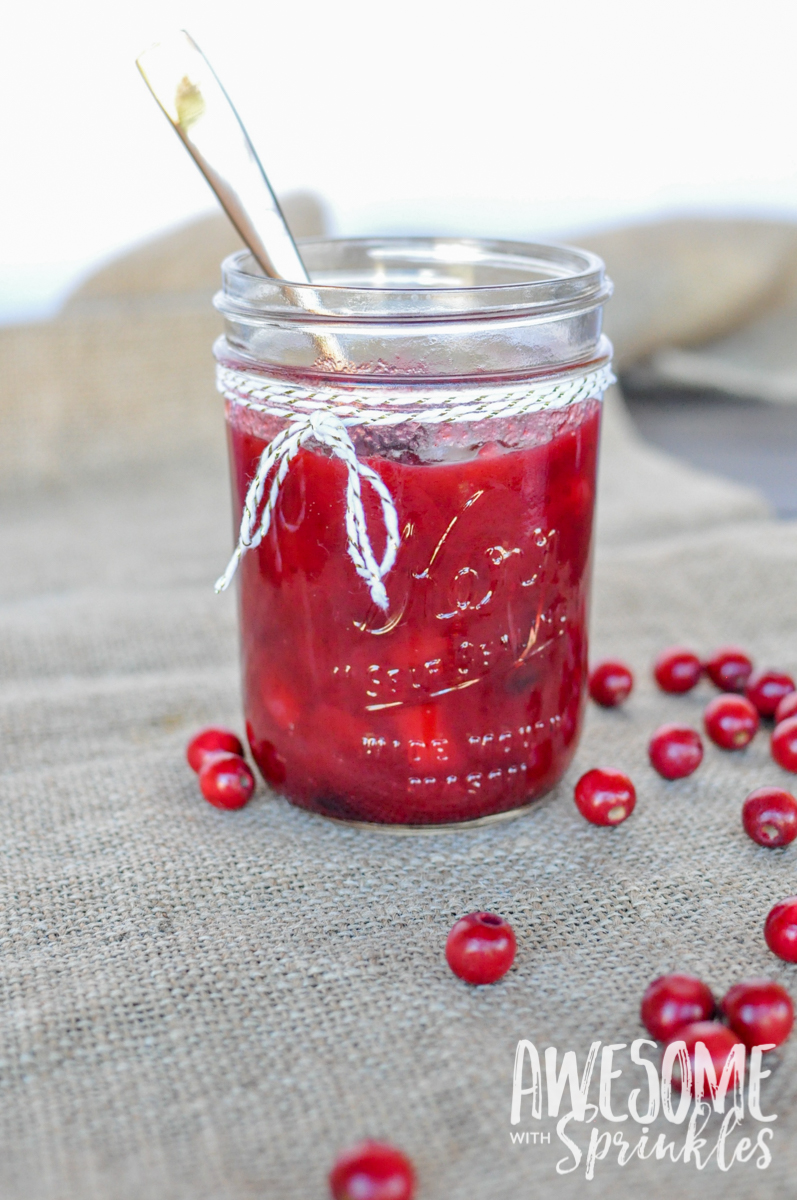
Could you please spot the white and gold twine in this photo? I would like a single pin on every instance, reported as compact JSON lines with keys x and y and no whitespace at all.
{"x":323,"y":415}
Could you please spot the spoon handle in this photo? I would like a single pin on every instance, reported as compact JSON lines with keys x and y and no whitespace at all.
{"x":187,"y":89}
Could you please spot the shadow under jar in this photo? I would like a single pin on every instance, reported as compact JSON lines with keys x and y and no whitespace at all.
{"x":454,"y":386}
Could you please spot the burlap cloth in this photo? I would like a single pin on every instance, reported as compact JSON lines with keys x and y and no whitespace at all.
{"x":206,"y":1006}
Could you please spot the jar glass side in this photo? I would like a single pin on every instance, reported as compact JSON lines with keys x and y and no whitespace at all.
{"x":465,"y":697}
{"x":435,"y":311}
{"x":462,"y":696}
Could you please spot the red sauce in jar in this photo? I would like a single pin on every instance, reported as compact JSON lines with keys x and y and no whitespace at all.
{"x":463,"y":699}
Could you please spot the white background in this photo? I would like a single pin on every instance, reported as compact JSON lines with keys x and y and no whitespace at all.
{"x":505,"y":117}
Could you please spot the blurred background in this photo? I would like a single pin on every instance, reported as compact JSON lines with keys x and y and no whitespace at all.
{"x":662,"y":135}
{"x":516,"y":118}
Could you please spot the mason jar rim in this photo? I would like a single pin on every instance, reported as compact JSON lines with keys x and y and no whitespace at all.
{"x":410,"y":279}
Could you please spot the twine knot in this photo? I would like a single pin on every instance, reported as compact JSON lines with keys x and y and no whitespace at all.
{"x":323,"y":414}
{"x":328,"y":430}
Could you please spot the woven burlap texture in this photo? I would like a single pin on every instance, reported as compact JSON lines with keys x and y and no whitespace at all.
{"x":206,"y":1006}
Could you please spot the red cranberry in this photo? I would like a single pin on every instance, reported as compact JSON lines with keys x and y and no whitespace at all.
{"x":673,"y":1001}
{"x":271,"y":763}
{"x":610,"y":683}
{"x":783,"y":744}
{"x":730,"y":721}
{"x":786,"y":708}
{"x":269,"y":760}
{"x":372,"y":1171}
{"x":759,"y":1012}
{"x":780,"y":929}
{"x":766,"y":689}
{"x":729,"y":668}
{"x":718,"y":1039}
{"x":675,"y":751}
{"x":605,"y":796}
{"x":226,"y":781}
{"x":677,"y":669}
{"x":211,"y":741}
{"x":769,"y":816}
{"x":481,"y":947}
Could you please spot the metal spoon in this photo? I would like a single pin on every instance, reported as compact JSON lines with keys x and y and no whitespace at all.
{"x":187,"y":89}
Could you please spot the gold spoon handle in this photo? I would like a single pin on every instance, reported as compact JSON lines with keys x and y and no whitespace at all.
{"x":188,"y":91}
{"x":190,"y":94}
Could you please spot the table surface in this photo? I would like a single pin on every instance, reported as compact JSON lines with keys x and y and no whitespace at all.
{"x":749,"y":441}
{"x":207,"y":1006}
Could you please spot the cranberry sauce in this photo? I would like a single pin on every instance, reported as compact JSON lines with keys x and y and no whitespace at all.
{"x":465,"y":697}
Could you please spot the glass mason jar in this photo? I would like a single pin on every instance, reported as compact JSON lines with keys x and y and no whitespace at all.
{"x":413,"y":443}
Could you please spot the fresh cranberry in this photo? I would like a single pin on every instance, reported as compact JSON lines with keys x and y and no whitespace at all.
{"x":481,"y":947}
{"x":269,"y":760}
{"x":730,"y":721}
{"x":783,"y":744}
{"x":786,"y":708}
{"x":211,"y":741}
{"x":718,"y":1039}
{"x":677,"y":669}
{"x":759,"y":1011}
{"x":780,"y":929}
{"x":271,"y":763}
{"x":766,"y":689}
{"x":769,"y":816}
{"x":729,"y":668}
{"x":673,"y":1001}
{"x":610,"y":683}
{"x":372,"y":1171}
{"x":675,"y":751}
{"x":605,"y":796}
{"x":226,"y":781}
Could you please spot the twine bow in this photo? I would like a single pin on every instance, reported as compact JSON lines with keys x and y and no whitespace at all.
{"x":328,"y":430}
{"x":323,"y":415}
